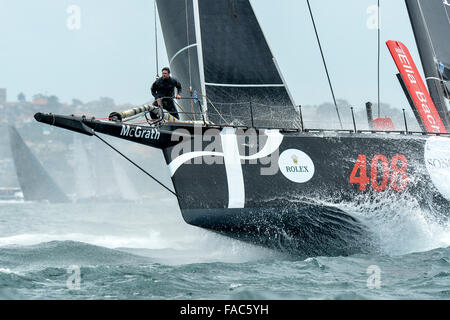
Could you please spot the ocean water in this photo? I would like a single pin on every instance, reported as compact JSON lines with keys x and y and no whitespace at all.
{"x":144,"y":250}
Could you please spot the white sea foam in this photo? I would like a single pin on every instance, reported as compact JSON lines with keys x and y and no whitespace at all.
{"x":6,"y":270}
{"x":402,"y":226}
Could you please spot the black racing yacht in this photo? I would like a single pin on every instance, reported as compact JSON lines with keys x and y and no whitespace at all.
{"x":243,"y":164}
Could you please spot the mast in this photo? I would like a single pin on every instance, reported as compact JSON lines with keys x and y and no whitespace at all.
{"x":428,"y":56}
{"x":180,"y":28}
{"x":198,"y":36}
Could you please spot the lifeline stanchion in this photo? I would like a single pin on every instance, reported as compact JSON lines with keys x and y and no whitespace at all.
{"x":353,"y":117}
{"x":406,"y":123}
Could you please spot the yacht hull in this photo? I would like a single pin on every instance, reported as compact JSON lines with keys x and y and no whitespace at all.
{"x":287,"y":189}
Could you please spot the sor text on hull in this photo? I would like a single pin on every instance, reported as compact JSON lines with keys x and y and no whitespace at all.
{"x":439,"y":163}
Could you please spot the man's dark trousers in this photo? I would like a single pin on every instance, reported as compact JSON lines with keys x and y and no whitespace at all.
{"x":169,"y":105}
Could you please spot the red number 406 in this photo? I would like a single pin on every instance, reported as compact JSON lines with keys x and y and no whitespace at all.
{"x":394,"y":173}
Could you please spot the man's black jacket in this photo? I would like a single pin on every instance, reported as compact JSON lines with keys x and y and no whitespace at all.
{"x":165,"y":87}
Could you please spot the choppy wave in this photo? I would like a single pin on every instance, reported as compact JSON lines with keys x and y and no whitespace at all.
{"x":152,"y":240}
{"x":41,"y":272}
{"x":63,"y":253}
{"x":134,"y":254}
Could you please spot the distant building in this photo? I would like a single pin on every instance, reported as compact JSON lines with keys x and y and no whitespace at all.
{"x":40,"y":102}
{"x":2,"y":95}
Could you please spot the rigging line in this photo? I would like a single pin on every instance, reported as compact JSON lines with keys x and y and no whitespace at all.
{"x":427,"y":78}
{"x":211,"y":84}
{"x":188,"y":42}
{"x":156,"y":40}
{"x":131,"y":161}
{"x":189,"y":52}
{"x":325,"y":64}
{"x":379,"y":57}
{"x":184,"y":112}
{"x":209,"y":100}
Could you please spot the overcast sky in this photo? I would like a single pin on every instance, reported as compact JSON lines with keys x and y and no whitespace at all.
{"x":113,"y":52}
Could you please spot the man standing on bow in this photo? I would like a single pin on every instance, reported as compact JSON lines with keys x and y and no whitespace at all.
{"x":163,"y":89}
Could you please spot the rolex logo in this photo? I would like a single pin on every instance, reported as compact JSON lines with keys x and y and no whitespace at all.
{"x":296,"y":166}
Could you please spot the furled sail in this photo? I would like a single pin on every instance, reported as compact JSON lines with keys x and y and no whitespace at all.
{"x":219,"y":48}
{"x":431,"y":24}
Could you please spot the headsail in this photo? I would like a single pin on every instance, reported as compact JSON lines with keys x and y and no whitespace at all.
{"x":228,"y":58}
{"x":431,"y":24}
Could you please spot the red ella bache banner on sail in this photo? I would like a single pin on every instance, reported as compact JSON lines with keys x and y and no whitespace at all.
{"x":416,"y":87}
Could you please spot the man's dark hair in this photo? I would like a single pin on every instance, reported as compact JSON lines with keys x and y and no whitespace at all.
{"x":166,"y":69}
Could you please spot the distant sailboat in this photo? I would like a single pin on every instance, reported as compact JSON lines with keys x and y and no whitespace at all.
{"x":84,"y":179}
{"x":99,"y":176}
{"x":11,"y":194}
{"x":35,"y":182}
{"x":127,"y":191}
